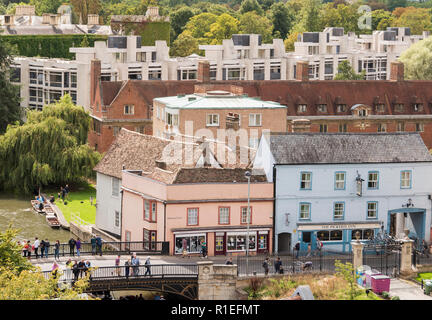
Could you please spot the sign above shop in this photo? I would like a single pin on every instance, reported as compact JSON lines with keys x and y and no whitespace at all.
{"x":338,"y":226}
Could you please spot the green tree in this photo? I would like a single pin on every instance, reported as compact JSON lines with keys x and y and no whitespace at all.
{"x":393,"y":4}
{"x":340,"y":16}
{"x":282,"y":18}
{"x":20,"y":280}
{"x":179,"y":18}
{"x":199,"y":25}
{"x":346,"y":271}
{"x":184,"y":45}
{"x":346,"y":72}
{"x":310,"y":16}
{"x":250,"y":5}
{"x":417,"y":60}
{"x":46,"y":6}
{"x":50,"y":148}
{"x":252,"y":23}
{"x":85,"y":42}
{"x":224,"y":27}
{"x":381,"y":19}
{"x":289,"y":42}
{"x":10,"y":110}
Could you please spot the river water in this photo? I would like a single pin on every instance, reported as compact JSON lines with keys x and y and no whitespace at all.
{"x":18,"y":212}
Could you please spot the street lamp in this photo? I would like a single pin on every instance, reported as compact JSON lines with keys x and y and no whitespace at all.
{"x":248,"y":176}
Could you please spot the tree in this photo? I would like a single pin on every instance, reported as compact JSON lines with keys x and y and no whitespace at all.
{"x":184,"y":46}
{"x":50,"y":148}
{"x":84,"y":7}
{"x":282,"y":18}
{"x":393,"y":4}
{"x":224,"y":27}
{"x":381,"y":19}
{"x":346,"y":72}
{"x":252,"y":23}
{"x":346,"y":271}
{"x":20,"y":280}
{"x":417,"y":60}
{"x":46,"y":6}
{"x":417,"y":19}
{"x":340,"y":16}
{"x":250,"y":5}
{"x":10,"y":110}
{"x":199,"y":25}
{"x":289,"y":42}
{"x":85,"y":42}
{"x":179,"y":18}
{"x":310,"y":16}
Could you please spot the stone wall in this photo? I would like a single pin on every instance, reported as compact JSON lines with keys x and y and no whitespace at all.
{"x":216,"y":282}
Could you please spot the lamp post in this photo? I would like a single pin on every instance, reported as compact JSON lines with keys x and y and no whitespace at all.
{"x":248,"y":176}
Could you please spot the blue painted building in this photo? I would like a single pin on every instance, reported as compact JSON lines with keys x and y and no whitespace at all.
{"x":332,"y":185}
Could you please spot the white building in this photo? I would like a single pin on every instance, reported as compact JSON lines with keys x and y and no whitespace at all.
{"x":332,"y":185}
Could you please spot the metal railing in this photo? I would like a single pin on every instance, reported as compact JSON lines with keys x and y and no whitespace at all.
{"x":318,"y":261}
{"x":87,"y":248}
{"x":130,"y":273}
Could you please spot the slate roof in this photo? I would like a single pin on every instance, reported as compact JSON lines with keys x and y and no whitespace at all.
{"x":139,"y":152}
{"x":332,"y":148}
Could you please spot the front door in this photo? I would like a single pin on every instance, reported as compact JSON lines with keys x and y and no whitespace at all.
{"x":262,"y":243}
{"x":305,"y":240}
{"x":220,"y":245}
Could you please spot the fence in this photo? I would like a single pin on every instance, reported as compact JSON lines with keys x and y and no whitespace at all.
{"x":320,"y":261}
{"x":130,"y":273}
{"x":422,"y":258}
{"x":87,"y":248}
{"x":387,"y":262}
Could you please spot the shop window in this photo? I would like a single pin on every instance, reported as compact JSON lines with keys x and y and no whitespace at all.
{"x":191,"y":243}
{"x":238,"y":242}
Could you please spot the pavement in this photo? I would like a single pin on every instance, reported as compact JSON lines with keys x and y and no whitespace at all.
{"x":407,"y":290}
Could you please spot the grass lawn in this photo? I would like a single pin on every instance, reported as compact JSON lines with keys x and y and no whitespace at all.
{"x":78,"y":202}
{"x":424,"y":276}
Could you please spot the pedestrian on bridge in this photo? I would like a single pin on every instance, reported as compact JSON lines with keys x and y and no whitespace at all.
{"x":72,"y":246}
{"x":135,"y":265}
{"x":127,"y":268}
{"x":57,"y":250}
{"x":99,"y":245}
{"x":93,"y":244}
{"x":78,"y":246}
{"x":117,"y":264}
{"x":36,"y":245}
{"x":47,"y":246}
{"x":147,"y":265}
{"x":42,"y":248}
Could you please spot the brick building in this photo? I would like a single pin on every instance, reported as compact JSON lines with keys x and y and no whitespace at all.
{"x":394,"y":105}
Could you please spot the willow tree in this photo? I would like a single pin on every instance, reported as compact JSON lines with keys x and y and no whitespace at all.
{"x":50,"y":148}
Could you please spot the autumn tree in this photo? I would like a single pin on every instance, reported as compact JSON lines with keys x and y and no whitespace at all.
{"x":82,"y":8}
{"x":417,"y":19}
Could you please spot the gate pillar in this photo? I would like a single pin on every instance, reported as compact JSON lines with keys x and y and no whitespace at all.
{"x":406,"y":255}
{"x":357,"y":253}
{"x":216,"y":282}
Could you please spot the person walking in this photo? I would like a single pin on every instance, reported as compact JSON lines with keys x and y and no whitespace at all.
{"x":75,"y":271}
{"x":72,"y":247}
{"x":319,"y":245}
{"x":127,"y":268}
{"x":184,"y":247}
{"x":204,"y":249}
{"x":135,"y":265}
{"x":117,"y":264}
{"x":57,"y":250}
{"x":266,"y":266}
{"x":278,"y":266}
{"x":99,"y":245}
{"x":93,"y":244}
{"x":147,"y":266}
{"x":47,"y":246}
{"x":309,"y":250}
{"x":78,"y":246}
{"x":42,"y":248}
{"x":297,"y":249}
{"x":36,"y":245}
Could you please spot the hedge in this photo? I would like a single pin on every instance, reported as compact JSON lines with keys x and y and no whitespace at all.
{"x":155,"y":31}
{"x":49,"y":46}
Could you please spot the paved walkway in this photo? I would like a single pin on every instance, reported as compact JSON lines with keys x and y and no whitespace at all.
{"x":407,"y":290}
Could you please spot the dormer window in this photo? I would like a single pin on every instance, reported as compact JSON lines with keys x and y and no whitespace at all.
{"x":362,"y":113}
{"x":341,"y":108}
{"x":418,"y":107}
{"x":322,"y":107}
{"x":379,"y":107}
{"x":301,"y":108}
{"x":399,"y":107}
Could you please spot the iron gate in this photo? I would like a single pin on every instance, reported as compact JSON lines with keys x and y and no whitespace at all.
{"x":385,"y":259}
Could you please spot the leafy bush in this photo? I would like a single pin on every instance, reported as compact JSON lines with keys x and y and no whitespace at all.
{"x":395,"y":298}
{"x":385,"y":294}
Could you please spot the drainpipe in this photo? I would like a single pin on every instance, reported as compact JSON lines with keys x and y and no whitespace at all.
{"x":274,"y":210}
{"x":121,"y":214}
{"x":164,"y":203}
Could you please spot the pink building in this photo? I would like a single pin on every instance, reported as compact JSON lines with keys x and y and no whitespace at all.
{"x":188,"y":203}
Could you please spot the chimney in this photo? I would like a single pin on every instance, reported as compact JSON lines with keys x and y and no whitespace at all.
{"x":95,"y":74}
{"x":396,"y":71}
{"x":302,"y":71}
{"x":46,"y":18}
{"x":203,"y":71}
{"x":300,"y":125}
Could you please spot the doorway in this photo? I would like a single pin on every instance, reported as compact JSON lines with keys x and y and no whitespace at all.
{"x":284,"y":242}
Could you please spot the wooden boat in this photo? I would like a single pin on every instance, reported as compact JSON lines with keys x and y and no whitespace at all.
{"x":35,"y":206}
{"x":52,"y":221}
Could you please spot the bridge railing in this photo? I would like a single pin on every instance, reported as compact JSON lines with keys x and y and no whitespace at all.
{"x":123,"y":272}
{"x":87,"y":248}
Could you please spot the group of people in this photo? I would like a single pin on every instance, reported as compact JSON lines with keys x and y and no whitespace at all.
{"x":64,"y":192}
{"x":75,"y":246}
{"x":133,"y":263}
{"x":277,"y":266}
{"x":319,"y":246}
{"x":44,"y":245}
{"x":79,"y":268}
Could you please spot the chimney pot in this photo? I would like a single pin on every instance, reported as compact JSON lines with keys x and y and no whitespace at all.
{"x":396,"y":71}
{"x":203,"y":71}
{"x":302,"y":71}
